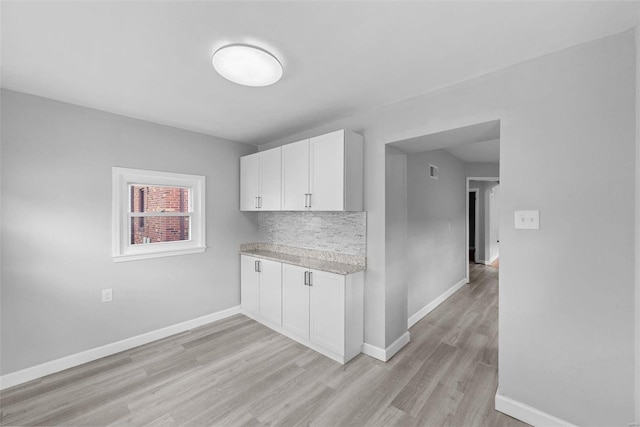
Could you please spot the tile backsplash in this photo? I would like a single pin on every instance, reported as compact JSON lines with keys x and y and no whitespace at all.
{"x":343,"y":232}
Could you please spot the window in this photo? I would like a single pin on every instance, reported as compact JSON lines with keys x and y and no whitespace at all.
{"x":157,"y":214}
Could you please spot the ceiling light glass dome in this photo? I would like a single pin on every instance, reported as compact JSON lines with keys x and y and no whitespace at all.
{"x":247,"y":65}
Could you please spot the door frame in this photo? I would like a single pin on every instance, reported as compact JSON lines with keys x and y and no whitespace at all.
{"x":476,"y":236}
{"x":466,"y":225}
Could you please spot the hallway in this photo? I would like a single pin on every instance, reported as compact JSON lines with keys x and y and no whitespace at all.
{"x":458,"y":342}
{"x":238,"y":372}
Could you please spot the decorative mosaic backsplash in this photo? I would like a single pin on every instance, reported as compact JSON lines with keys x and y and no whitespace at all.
{"x":343,"y":232}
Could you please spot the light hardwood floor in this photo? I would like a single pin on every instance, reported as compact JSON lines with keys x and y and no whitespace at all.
{"x":238,"y":372}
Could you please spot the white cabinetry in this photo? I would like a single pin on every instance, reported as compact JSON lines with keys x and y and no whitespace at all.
{"x":250,"y":285}
{"x":261,"y":181}
{"x":323,"y":310}
{"x":261,"y":289}
{"x":327,"y":295}
{"x":295,"y":300}
{"x":324,"y":173}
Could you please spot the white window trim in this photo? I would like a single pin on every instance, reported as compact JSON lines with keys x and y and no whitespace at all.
{"x":122,"y":249}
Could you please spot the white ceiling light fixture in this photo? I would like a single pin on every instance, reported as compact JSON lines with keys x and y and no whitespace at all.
{"x":247,"y":65}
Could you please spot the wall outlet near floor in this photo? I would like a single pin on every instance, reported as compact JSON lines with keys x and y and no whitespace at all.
{"x":107,"y":295}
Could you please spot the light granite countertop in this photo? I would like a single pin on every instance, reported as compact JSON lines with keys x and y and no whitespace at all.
{"x":318,"y":260}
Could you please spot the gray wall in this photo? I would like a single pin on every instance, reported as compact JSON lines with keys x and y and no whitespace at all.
{"x":56,"y":230}
{"x":436,"y":226}
{"x":479,"y":169}
{"x":555,"y":303}
{"x":637,"y":269}
{"x":396,"y":243}
{"x":637,"y":301}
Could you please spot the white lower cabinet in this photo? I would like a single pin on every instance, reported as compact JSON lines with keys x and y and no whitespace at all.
{"x":250,"y":286}
{"x":327,"y":310}
{"x":261,"y":289}
{"x":295,"y":301}
{"x":324,"y":310}
{"x":321,"y":310}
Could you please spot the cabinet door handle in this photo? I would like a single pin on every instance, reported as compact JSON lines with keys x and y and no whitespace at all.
{"x":255,"y":204}
{"x":259,"y":266}
{"x":305,"y":202}
{"x":309,"y":200}
{"x":306,"y":280}
{"x":259,"y":202}
{"x":255,"y":265}
{"x":310,"y":278}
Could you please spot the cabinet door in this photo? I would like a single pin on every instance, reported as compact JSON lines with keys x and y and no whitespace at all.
{"x":327,"y":172}
{"x":327,"y":327}
{"x":295,"y":301}
{"x":271,"y":291}
{"x":249,"y":182}
{"x":271,"y":179}
{"x":249,"y":285}
{"x":295,"y":175}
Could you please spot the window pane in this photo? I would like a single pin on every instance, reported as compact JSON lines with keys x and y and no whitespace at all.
{"x":158,"y":229}
{"x":146,"y":198}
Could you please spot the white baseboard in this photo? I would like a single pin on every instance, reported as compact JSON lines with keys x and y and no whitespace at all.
{"x":38,"y":371}
{"x":385,"y":354}
{"x":373,"y":351}
{"x":436,"y":302}
{"x":493,"y":259}
{"x":528,"y":414}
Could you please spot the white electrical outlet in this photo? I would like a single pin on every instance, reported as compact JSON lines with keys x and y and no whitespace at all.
{"x":107,"y":295}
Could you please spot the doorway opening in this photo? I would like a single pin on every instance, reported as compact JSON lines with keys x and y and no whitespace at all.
{"x":433,"y":225}
{"x":485,"y":230}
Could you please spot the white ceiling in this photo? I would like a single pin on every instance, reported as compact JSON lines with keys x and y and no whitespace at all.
{"x":483,"y":151}
{"x":479,"y":142}
{"x":152,"y":60}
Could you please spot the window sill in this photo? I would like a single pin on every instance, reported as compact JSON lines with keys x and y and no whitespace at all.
{"x":162,"y":254}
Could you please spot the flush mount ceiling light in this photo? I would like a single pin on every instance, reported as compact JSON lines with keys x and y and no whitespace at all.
{"x":247,"y":65}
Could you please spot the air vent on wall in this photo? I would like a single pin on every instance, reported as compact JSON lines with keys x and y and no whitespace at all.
{"x":433,"y":171}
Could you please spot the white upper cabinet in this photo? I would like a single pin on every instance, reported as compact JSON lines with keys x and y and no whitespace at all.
{"x":324,"y":173}
{"x":261,"y":181}
{"x":295,"y":176}
{"x":249,"y":182}
{"x":270,"y":179}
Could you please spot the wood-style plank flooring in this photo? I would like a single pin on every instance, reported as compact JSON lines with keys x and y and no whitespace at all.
{"x":236,"y":372}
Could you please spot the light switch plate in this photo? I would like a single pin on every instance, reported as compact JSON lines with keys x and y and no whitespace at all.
{"x":527,"y":220}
